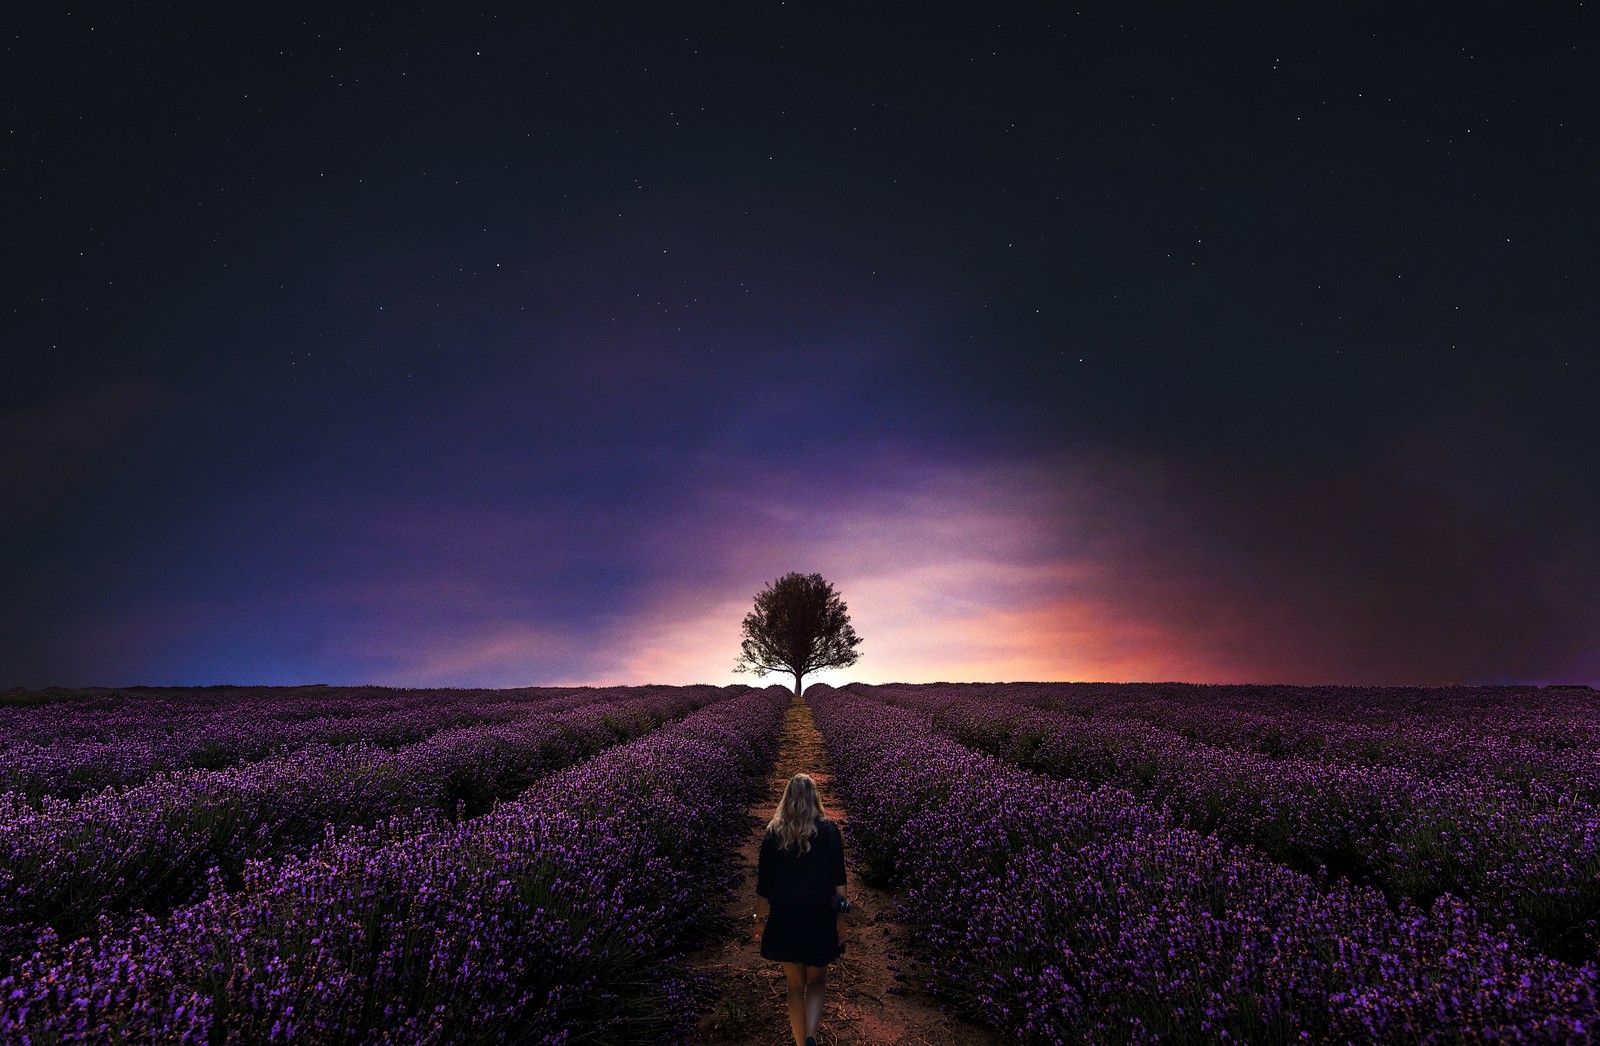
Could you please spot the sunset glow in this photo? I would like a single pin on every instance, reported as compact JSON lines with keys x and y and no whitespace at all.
{"x":526,"y":346}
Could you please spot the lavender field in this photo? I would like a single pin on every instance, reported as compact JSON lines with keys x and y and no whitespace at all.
{"x":1124,"y":863}
{"x":1075,"y":862}
{"x":403,"y":867}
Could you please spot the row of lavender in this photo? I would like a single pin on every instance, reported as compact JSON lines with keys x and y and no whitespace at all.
{"x":141,"y":712}
{"x":555,"y":918}
{"x":67,"y":864}
{"x":1513,"y":734}
{"x":1526,"y":856}
{"x":1060,"y":912}
{"x":70,"y":747}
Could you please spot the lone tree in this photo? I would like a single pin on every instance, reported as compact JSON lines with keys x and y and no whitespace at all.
{"x":799,"y":625}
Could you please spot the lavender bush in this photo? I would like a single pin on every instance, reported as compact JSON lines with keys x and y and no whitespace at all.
{"x":1060,"y":912}
{"x":1510,"y":734}
{"x":66,"y":865}
{"x":1524,"y":855}
{"x":555,"y":918}
{"x":68,"y":748}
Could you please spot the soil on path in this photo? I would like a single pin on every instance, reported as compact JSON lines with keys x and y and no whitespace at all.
{"x":872,"y":999}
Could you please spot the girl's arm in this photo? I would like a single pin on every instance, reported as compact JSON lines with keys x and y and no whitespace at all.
{"x":759,"y":917}
{"x":838,"y":879}
{"x":763,"y":906}
{"x":837,"y":862}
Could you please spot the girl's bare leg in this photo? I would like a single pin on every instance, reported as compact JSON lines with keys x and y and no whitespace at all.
{"x":795,"y":974}
{"x":816,"y":989}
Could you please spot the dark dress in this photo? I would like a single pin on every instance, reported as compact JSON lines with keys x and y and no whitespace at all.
{"x":801,"y":926}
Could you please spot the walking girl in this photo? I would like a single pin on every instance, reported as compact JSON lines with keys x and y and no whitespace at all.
{"x":800,"y":901}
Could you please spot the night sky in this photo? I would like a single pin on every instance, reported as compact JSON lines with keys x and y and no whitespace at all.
{"x":426,"y":346}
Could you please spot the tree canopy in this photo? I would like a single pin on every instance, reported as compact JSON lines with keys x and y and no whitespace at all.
{"x":799,"y":625}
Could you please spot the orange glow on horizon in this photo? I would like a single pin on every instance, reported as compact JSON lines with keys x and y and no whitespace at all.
{"x":1043,"y":571}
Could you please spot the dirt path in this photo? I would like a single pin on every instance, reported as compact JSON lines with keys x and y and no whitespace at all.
{"x":868,"y":1003}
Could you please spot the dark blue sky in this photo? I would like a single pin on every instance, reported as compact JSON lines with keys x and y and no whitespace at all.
{"x":524,"y":346}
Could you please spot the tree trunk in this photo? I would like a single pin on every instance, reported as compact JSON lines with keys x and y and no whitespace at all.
{"x":797,"y":677}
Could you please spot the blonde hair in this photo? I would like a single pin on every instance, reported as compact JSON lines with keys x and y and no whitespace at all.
{"x":794,"y":822}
